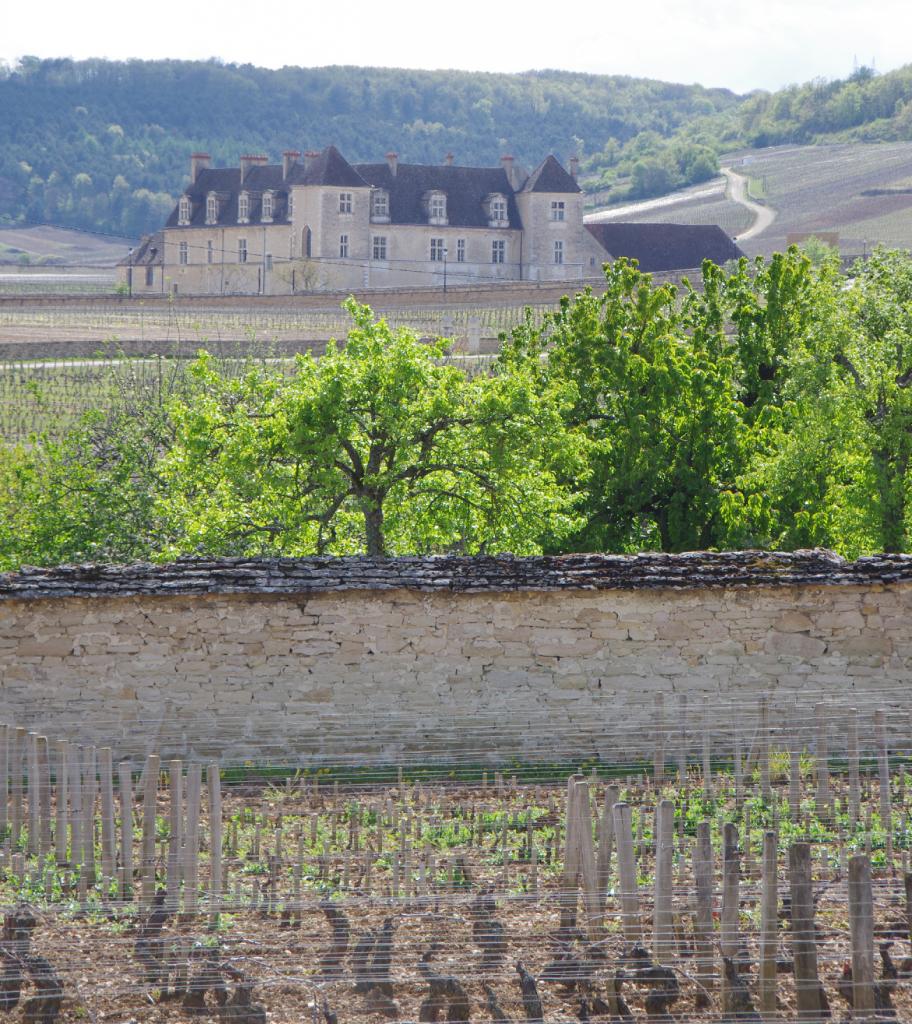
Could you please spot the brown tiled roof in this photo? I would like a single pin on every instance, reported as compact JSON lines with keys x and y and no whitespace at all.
{"x":659,"y":247}
{"x":465,"y":187}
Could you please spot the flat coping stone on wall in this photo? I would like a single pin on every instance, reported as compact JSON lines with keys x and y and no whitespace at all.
{"x":495,"y":573}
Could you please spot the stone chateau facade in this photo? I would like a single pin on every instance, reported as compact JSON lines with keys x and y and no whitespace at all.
{"x":318,"y":222}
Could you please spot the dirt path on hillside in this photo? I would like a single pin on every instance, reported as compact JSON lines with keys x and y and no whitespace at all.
{"x":737,"y":191}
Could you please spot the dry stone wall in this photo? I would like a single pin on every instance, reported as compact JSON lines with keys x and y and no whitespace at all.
{"x":472,"y":659}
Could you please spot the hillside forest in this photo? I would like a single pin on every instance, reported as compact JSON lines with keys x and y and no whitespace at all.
{"x":770,"y":406}
{"x":103,"y":145}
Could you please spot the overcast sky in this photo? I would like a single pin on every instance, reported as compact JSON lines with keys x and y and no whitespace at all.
{"x":742,"y":45}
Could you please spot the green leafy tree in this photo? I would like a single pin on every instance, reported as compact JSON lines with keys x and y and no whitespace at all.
{"x":379,"y":446}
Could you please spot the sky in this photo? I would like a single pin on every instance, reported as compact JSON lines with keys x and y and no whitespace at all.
{"x":761,"y":44}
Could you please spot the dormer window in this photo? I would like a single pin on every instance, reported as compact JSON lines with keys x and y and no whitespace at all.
{"x":212,"y":208}
{"x":183,"y":211}
{"x":268,"y":204}
{"x":437,"y":211}
{"x":497,"y":211}
{"x":380,"y":206}
{"x":243,"y":208}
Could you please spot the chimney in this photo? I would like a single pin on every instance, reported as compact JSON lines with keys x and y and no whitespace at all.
{"x":448,"y":160}
{"x":289,"y":159}
{"x":506,"y":162}
{"x":574,"y":166}
{"x":393,"y":160}
{"x":247,"y":163}
{"x":309,"y":158}
{"x":198,"y":162}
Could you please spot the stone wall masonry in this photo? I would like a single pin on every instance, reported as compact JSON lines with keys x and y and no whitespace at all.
{"x":474,"y":659}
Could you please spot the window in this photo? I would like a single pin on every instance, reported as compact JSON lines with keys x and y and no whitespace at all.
{"x":437,"y":211}
{"x":183,"y":253}
{"x":343,"y":247}
{"x":290,"y":205}
{"x":183,"y":213}
{"x":212,"y":208}
{"x":460,"y":250}
{"x":150,"y":276}
{"x":243,"y":208}
{"x":269,"y":261}
{"x":557,"y":210}
{"x":306,"y":242}
{"x":209,"y":252}
{"x":380,"y":205}
{"x":558,"y":252}
{"x":268,"y":204}
{"x":497,"y":211}
{"x":345,"y":202}
{"x":438,"y":250}
{"x":379,"y":247}
{"x":292,"y":245}
{"x":242,"y":250}
{"x":498,"y":251}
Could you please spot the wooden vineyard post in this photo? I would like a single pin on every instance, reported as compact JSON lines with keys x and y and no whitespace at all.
{"x":883,"y":770}
{"x":45,"y":840}
{"x":731,"y":870}
{"x":663,"y":921}
{"x":34,"y":787}
{"x":822,"y":759}
{"x":764,"y":749}
{"x":191,"y":844}
{"x":853,"y":759}
{"x":861,"y":926}
{"x":731,"y":901}
{"x":16,"y":785}
{"x":606,"y":843}
{"x":804,"y":939}
{"x":108,"y":839}
{"x":214,"y":783}
{"x":592,"y":899}
{"x":175,"y":772}
{"x":61,"y":826}
{"x":658,"y":763}
{"x":703,"y":915}
{"x":569,"y":895}
{"x":125,"y":787}
{"x":150,"y":799}
{"x":5,"y":733}
{"x":89,"y":792}
{"x":627,"y":875}
{"x":75,"y":787}
{"x":769,"y":919}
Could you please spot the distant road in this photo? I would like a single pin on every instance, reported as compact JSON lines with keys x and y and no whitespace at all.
{"x":737,"y":190}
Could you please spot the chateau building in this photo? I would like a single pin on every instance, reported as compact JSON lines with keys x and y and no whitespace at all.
{"x":319,"y":222}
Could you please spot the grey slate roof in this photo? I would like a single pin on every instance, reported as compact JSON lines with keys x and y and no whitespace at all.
{"x":226,"y":183}
{"x":549,"y":176}
{"x":149,"y":252}
{"x":329,"y":168}
{"x":665,"y":246}
{"x":466,"y":189}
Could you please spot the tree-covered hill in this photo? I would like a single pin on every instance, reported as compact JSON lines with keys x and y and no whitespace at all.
{"x":104,"y":145}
